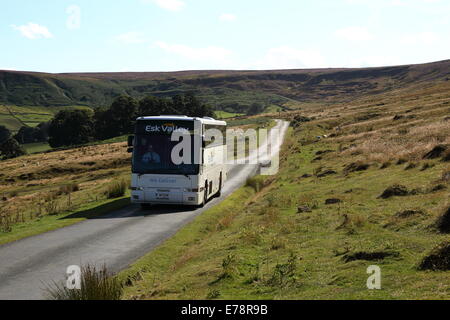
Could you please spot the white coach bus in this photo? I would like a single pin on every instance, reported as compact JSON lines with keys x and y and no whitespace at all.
{"x":157,"y":179}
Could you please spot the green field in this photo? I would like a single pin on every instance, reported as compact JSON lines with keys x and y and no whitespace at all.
{"x":226,"y":115}
{"x":38,"y":147}
{"x":15,"y":117}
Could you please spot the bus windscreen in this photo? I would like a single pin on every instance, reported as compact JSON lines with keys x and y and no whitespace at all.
{"x":153,"y":148}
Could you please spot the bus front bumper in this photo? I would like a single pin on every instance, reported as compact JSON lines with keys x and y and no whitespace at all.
{"x":170,"y":197}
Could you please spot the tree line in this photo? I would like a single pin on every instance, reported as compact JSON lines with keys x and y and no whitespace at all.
{"x":77,"y":126}
{"x":9,"y":147}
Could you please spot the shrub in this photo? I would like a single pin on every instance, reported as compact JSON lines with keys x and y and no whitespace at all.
{"x":257,"y":183}
{"x":437,"y":152}
{"x":395,"y":190}
{"x":438,"y":259}
{"x":411,"y":165}
{"x":356,"y":166}
{"x":51,"y":205}
{"x":426,"y":166}
{"x":73,"y":187}
{"x":284,"y":273}
{"x":385,"y":165}
{"x":95,"y":285}
{"x":5,"y":223}
{"x":213,"y":294}
{"x":443,"y":222}
{"x":446,"y":156}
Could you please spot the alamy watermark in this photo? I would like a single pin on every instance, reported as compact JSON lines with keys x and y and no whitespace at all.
{"x":239,"y":147}
{"x":73,"y":277}
{"x":374,"y":281}
{"x":74,"y":19}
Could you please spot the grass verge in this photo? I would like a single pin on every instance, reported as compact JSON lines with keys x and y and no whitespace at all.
{"x":53,"y":222}
{"x":180,"y":249}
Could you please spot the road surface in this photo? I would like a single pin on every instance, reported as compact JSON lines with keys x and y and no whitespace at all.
{"x":116,"y":239}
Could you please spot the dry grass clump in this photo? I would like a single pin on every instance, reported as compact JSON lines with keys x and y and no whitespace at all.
{"x":67,"y":189}
{"x":95,"y":285}
{"x":116,"y":189}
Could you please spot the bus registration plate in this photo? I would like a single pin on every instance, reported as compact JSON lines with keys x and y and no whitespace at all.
{"x":162,"y":196}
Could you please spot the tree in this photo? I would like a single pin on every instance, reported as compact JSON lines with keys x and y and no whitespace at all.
{"x":190,"y":105}
{"x":26,"y":135}
{"x":10,"y":148}
{"x":152,"y":106}
{"x":123,"y":114}
{"x":71,"y":127}
{"x":42,"y":133}
{"x":178,"y":105}
{"x":255,"y":108}
{"x":5,"y":134}
{"x":103,"y":124}
{"x":30,"y":135}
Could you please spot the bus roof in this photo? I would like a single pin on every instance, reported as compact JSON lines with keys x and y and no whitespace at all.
{"x":205,"y":120}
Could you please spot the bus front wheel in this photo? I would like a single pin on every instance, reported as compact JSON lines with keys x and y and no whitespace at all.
{"x":219,"y":192}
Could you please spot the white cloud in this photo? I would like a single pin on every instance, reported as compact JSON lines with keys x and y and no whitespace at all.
{"x":227,"y":17}
{"x":8,"y":68}
{"x":374,"y":61}
{"x":289,"y":58}
{"x":207,"y":54}
{"x":171,"y":5}
{"x":389,"y":2}
{"x":131,"y":38}
{"x":354,"y":34}
{"x":33,"y":31}
{"x":422,"y":38}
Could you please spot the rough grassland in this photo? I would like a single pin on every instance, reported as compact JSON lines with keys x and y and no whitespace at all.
{"x":38,"y":192}
{"x":294,"y":240}
{"x":43,"y":192}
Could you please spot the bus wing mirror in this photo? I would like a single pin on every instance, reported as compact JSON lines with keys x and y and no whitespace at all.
{"x":130,"y":150}
{"x":130,"y":141}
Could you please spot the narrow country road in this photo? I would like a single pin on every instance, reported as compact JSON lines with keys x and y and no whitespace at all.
{"x":116,"y":239}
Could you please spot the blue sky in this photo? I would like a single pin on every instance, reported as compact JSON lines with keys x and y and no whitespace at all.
{"x":168,"y":35}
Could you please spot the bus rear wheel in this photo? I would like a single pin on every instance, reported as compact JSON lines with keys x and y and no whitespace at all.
{"x":205,"y":194}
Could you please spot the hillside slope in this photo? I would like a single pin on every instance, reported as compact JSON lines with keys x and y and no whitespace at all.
{"x":232,"y":91}
{"x":373,"y":190}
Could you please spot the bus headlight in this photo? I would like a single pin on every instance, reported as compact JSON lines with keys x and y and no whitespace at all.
{"x":137,"y":189}
{"x":191,"y":190}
